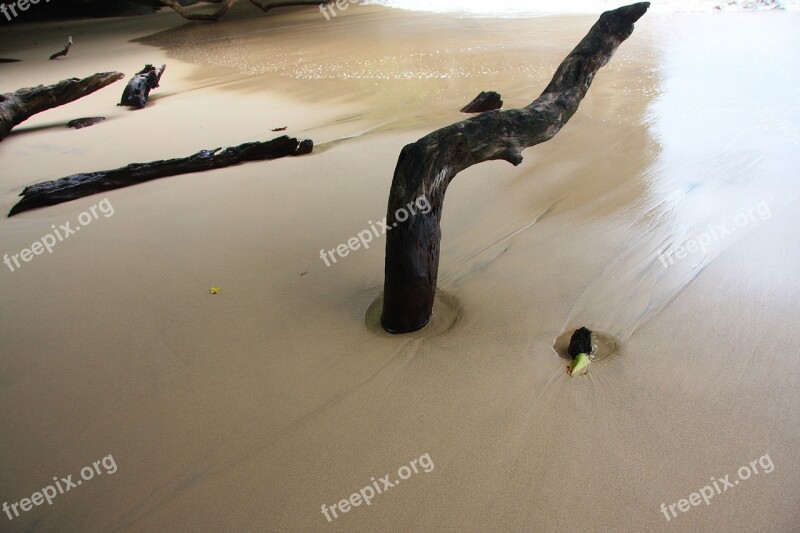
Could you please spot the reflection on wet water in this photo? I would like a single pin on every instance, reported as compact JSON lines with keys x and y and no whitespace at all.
{"x":727,"y":125}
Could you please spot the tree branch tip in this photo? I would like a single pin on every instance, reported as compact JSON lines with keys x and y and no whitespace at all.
{"x":306,"y":146}
{"x":628,"y":14}
{"x":512,"y":155}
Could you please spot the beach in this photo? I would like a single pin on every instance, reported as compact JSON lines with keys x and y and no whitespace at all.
{"x":257,"y":408}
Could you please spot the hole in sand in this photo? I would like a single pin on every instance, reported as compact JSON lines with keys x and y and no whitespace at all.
{"x":603,"y":346}
{"x":446,"y":311}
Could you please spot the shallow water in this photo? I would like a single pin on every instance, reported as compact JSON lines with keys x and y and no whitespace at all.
{"x":722,"y":168}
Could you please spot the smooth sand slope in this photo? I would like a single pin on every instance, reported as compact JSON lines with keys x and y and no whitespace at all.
{"x":249,"y":409}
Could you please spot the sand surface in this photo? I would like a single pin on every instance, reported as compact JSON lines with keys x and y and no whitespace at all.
{"x":250,"y":409}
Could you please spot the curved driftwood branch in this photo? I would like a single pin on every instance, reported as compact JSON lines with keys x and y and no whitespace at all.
{"x":21,"y":105}
{"x":86,"y":184}
{"x":426,"y":167}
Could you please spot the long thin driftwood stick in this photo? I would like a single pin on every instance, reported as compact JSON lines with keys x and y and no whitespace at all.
{"x":426,"y":167}
{"x":21,"y":105}
{"x":80,"y":185}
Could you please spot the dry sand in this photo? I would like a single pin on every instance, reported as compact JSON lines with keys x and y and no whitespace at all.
{"x":248,"y":410}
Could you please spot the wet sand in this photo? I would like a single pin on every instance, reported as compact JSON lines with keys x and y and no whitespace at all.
{"x":249,"y":409}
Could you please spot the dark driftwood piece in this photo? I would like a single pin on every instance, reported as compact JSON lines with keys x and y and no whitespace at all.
{"x":65,"y":51}
{"x":79,"y":123}
{"x":581,"y":342}
{"x":9,"y":60}
{"x":138,"y":89}
{"x":228,"y":4}
{"x":427,"y":166}
{"x":80,"y":185}
{"x":486,"y":101}
{"x":21,"y":105}
{"x":181,"y":10}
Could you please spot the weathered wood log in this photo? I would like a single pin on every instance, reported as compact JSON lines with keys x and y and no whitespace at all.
{"x":426,"y":167}
{"x":137,"y":91}
{"x":85,"y":184}
{"x":65,"y":51}
{"x":21,"y":105}
{"x":486,"y":101}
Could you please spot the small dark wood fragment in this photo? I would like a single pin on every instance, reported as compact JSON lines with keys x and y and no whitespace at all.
{"x":85,"y":184}
{"x":280,"y":129}
{"x":137,"y":91}
{"x":79,"y":123}
{"x":486,"y":101}
{"x":65,"y":51}
{"x":581,"y":342}
{"x":8,"y":60}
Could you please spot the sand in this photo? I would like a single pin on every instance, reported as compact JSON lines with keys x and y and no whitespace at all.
{"x":250,"y":409}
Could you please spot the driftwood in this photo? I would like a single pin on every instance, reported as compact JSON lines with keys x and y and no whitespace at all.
{"x":486,"y":101}
{"x":228,"y":4}
{"x":65,"y":51}
{"x":80,"y":185}
{"x":138,"y":89}
{"x":21,"y":105}
{"x":181,"y":10}
{"x":581,"y":342}
{"x":80,"y":123}
{"x":426,"y":167}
